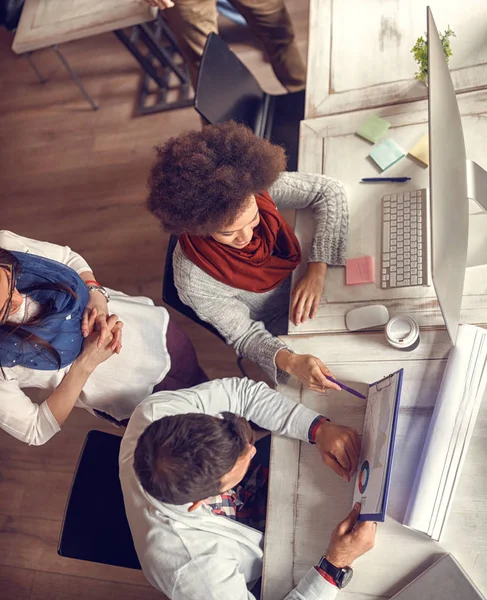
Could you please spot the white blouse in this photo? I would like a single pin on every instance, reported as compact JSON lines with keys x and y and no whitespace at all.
{"x":116,"y":386}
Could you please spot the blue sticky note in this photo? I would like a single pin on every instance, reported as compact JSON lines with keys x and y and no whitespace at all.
{"x":386,"y":154}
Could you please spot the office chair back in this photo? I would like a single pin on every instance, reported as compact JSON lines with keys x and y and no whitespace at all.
{"x":95,"y":526}
{"x":226,"y":89}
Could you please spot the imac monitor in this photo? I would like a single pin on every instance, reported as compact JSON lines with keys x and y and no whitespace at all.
{"x":448,"y":185}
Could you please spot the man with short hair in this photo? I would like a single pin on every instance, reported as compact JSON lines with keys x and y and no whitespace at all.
{"x":195,"y":494}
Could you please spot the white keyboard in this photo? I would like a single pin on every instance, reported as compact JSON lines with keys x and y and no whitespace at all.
{"x":405,"y":239}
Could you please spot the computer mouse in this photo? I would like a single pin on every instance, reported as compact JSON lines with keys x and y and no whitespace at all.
{"x":367,"y":317}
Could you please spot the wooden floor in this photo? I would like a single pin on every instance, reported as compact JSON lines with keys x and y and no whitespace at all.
{"x":73,"y":176}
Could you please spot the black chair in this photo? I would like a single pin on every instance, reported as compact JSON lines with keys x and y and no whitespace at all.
{"x":95,"y":527}
{"x":10,"y":11}
{"x":170,"y":297}
{"x":226,"y":90}
{"x":170,"y":293}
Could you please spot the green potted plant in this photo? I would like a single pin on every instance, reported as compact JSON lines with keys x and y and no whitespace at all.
{"x":420,"y":53}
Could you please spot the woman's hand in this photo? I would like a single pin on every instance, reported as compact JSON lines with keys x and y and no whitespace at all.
{"x":308,"y":369}
{"x":95,"y":318}
{"x":160,"y":4}
{"x":307,"y":293}
{"x":95,"y":315}
{"x":63,"y":399}
{"x":93,"y":354}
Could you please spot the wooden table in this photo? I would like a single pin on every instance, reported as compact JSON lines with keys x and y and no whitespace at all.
{"x":359,"y":52}
{"x":329,"y":145}
{"x":47,"y":22}
{"x":307,"y":500}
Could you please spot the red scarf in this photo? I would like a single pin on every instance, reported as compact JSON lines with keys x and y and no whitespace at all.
{"x":262,"y":265}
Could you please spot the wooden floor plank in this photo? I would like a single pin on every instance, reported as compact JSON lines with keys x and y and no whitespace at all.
{"x":32,"y":544}
{"x":16,"y":584}
{"x":23,"y":493}
{"x":47,"y":586}
{"x":62,"y":451}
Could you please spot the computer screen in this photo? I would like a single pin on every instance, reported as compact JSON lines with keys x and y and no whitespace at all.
{"x":448,"y":185}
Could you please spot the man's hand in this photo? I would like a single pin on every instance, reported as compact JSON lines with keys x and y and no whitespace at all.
{"x":160,"y":4}
{"x":350,"y":540}
{"x":339,"y":447}
{"x":307,"y":293}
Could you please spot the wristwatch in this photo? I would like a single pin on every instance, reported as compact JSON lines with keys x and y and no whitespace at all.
{"x":102,"y":290}
{"x":341,"y":577}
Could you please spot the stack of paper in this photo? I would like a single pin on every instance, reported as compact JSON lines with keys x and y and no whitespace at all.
{"x":461,"y":393}
{"x":376,"y":455}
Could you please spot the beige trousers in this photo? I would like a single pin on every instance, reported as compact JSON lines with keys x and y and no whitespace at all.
{"x":192,"y":21}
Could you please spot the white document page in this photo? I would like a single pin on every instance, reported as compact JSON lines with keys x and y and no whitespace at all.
{"x":461,"y":393}
{"x":373,"y":472}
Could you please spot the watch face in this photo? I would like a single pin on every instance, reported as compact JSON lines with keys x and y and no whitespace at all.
{"x":345,"y":577}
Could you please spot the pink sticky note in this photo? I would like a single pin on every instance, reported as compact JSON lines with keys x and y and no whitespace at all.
{"x":360,"y":270}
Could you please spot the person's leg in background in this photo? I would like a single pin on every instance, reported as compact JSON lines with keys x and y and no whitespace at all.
{"x":192,"y":21}
{"x":271,"y":24}
{"x":185,"y":371}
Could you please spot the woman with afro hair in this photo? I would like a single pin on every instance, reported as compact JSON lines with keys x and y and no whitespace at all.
{"x":220,"y":190}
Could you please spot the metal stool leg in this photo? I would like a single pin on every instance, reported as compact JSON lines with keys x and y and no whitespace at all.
{"x":74,"y":77}
{"x":34,"y":68}
{"x":155,"y":49}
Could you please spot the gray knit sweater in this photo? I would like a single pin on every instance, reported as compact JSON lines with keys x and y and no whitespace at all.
{"x":249,"y":321}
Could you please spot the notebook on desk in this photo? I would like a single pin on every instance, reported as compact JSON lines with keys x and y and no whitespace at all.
{"x":444,"y":580}
{"x":378,"y":436}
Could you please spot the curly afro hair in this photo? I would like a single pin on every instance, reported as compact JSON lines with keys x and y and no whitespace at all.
{"x":202,"y":180}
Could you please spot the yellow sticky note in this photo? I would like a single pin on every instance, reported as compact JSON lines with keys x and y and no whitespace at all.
{"x":420,"y":150}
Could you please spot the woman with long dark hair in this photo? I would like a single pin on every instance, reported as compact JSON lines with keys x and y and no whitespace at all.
{"x":221,"y":190}
{"x":59,"y":342}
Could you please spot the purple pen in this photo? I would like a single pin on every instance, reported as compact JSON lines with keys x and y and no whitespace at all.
{"x":347,"y":389}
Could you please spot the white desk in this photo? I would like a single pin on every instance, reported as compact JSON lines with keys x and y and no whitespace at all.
{"x":329,"y":145}
{"x":359,"y":51}
{"x":307,"y":500}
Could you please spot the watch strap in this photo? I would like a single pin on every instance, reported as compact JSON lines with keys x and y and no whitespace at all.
{"x":327,"y":567}
{"x":341,"y":576}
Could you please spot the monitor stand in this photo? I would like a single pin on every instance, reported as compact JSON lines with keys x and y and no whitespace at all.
{"x":477,"y":224}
